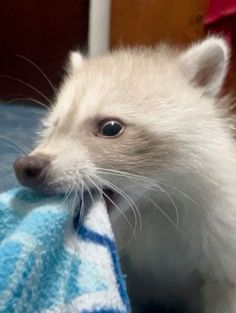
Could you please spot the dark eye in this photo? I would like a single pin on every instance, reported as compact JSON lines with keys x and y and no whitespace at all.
{"x":110,"y":128}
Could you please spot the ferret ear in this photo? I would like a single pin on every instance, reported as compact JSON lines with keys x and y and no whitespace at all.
{"x":75,"y":61}
{"x":205,"y":64}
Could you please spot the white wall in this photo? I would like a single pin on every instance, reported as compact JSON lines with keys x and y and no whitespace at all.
{"x":99,"y":27}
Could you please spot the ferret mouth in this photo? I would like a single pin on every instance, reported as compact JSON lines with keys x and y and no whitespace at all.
{"x":109,"y":197}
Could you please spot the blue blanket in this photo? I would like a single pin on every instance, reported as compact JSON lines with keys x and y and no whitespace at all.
{"x":48,"y":266}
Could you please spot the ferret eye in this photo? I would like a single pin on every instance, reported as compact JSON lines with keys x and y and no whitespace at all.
{"x":110,"y":128}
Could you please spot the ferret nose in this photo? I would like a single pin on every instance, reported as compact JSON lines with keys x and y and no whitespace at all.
{"x":31,"y":170}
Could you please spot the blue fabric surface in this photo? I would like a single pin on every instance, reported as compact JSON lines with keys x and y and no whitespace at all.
{"x":48,"y":266}
{"x":18,"y":125}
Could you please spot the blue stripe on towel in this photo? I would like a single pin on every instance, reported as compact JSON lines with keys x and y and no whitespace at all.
{"x":89,"y":235}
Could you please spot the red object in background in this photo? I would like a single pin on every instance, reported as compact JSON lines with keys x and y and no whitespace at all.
{"x":218,"y":9}
{"x":220,"y":18}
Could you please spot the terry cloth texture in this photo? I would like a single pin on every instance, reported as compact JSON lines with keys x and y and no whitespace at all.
{"x":47,"y":266}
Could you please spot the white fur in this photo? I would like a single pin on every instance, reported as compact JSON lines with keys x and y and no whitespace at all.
{"x":208,"y":59}
{"x":75,"y":61}
{"x":187,"y":246}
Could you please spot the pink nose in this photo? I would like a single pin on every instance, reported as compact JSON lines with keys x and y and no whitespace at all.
{"x":31,"y":170}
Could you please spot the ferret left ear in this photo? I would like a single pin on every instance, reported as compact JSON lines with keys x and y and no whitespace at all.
{"x":205,"y":64}
{"x":75,"y":61}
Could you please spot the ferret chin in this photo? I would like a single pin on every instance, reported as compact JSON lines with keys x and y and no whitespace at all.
{"x":145,"y":128}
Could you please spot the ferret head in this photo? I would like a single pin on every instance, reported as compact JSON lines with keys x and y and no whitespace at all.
{"x":129,"y":116}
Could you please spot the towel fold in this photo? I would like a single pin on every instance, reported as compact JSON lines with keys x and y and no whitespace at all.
{"x":46,"y":266}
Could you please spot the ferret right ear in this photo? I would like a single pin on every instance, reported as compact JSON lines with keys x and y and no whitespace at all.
{"x":75,"y":61}
{"x":205,"y":64}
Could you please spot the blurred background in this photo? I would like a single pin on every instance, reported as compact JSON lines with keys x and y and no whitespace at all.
{"x":36,"y":36}
{"x":43,"y":32}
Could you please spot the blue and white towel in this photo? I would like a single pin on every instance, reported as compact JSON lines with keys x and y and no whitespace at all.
{"x":48,"y":267}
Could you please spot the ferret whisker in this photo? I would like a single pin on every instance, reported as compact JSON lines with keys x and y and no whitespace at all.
{"x":39,"y":69}
{"x":147,"y":180}
{"x":142,"y":178}
{"x":118,"y":208}
{"x":29,"y":100}
{"x":132,"y":206}
{"x":74,"y":207}
{"x":127,"y":175}
{"x":74,"y":202}
{"x":28,"y":85}
{"x":12,"y":144}
{"x":181,"y":192}
{"x":173,"y":203}
{"x":164,"y":214}
{"x":47,"y":177}
{"x":89,"y":192}
{"x":81,"y":209}
{"x":24,"y":97}
{"x":130,"y":201}
{"x":67,"y":193}
{"x":10,"y":157}
{"x":97,"y":188}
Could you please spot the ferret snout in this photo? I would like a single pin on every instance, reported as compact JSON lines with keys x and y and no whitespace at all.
{"x":31,"y":171}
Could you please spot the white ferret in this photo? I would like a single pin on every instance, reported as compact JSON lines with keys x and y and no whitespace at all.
{"x":147,"y":125}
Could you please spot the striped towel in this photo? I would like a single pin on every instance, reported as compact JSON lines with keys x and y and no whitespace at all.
{"x":46,"y":266}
